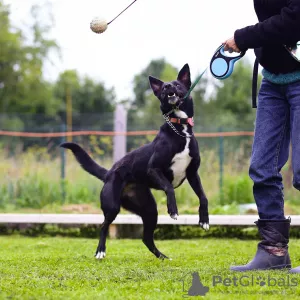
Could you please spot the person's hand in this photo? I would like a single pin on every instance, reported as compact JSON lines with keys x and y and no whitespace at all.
{"x":230,"y":45}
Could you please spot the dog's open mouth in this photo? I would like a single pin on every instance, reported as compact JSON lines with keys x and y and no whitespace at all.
{"x":173,"y":98}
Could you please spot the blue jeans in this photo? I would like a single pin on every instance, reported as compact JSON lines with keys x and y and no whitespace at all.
{"x":277,"y":124}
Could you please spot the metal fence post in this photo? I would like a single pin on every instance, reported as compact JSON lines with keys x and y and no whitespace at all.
{"x":63,"y":164}
{"x":120,"y":125}
{"x":221,"y":163}
{"x":119,"y":150}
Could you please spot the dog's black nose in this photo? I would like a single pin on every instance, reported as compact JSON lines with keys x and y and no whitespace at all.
{"x":168,"y":85}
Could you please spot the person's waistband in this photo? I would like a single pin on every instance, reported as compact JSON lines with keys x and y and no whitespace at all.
{"x":281,"y":78}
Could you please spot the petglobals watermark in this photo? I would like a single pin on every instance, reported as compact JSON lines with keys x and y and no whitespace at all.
{"x":252,"y":280}
{"x":194,"y":285}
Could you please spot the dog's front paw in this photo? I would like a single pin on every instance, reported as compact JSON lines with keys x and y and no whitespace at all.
{"x":174,"y":217}
{"x":205,"y":226}
{"x":100,"y":255}
{"x":204,"y":221}
{"x":173,"y":211}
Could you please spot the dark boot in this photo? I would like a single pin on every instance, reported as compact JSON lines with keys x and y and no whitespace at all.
{"x":272,"y":251}
{"x":295,"y":270}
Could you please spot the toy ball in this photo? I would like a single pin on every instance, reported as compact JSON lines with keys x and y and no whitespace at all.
{"x":98,"y":25}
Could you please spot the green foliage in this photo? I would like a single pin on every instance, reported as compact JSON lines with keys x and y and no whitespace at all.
{"x":87,"y":95}
{"x":141,"y":81}
{"x":143,"y":112}
{"x":165,"y":232}
{"x":225,"y":209}
{"x":232,"y":102}
{"x":21,"y":59}
{"x":23,"y":88}
{"x":237,"y":189}
{"x":162,"y":232}
{"x":33,"y":181}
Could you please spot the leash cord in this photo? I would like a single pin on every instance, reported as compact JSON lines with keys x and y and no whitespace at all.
{"x":121,"y":12}
{"x":194,"y":84}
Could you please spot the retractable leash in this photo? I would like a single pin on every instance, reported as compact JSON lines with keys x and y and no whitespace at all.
{"x":221,"y":65}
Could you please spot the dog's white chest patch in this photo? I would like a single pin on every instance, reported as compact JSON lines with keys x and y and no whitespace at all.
{"x":181,"y":160}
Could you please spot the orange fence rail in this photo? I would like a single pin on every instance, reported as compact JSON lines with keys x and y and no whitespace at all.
{"x":113,"y":133}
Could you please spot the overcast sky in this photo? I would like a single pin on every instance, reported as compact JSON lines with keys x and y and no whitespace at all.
{"x":181,"y":31}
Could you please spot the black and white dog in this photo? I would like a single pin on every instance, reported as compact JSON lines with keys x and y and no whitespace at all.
{"x":162,"y":164}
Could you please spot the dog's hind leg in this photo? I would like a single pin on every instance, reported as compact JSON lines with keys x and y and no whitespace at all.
{"x":110,"y":204}
{"x":139,"y":200}
{"x":195,"y":182}
{"x":150,"y":222}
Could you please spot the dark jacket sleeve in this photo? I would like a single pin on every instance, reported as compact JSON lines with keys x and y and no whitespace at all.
{"x":278,"y":29}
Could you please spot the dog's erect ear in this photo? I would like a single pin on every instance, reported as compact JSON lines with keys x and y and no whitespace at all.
{"x":184,"y":76}
{"x":156,"y":85}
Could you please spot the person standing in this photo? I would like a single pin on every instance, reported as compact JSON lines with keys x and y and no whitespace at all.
{"x":277,"y":124}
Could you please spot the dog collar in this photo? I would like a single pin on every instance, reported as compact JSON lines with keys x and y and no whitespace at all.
{"x":189,"y":121}
{"x":186,"y":121}
{"x":170,"y":122}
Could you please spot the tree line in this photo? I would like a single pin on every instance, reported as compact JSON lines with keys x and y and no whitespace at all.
{"x":24,"y":89}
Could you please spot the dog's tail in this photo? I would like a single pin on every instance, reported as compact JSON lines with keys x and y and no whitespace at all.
{"x":86,"y":162}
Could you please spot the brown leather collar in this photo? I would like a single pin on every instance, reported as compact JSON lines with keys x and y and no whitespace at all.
{"x":185,"y":121}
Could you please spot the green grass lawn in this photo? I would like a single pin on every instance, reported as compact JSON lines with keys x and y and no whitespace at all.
{"x":64,"y":268}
